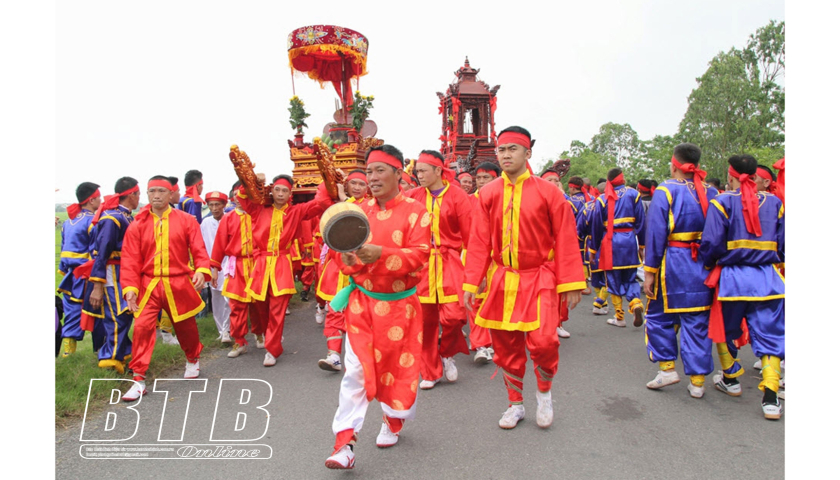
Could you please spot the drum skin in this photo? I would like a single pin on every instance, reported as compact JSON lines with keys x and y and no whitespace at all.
{"x":344,"y":227}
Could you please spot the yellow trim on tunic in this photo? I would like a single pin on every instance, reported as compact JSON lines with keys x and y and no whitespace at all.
{"x":566,"y":287}
{"x":470,"y":288}
{"x":719,"y":207}
{"x":752,"y":245}
{"x":685,"y":236}
{"x":83,"y":256}
{"x":751,"y":299}
{"x":622,"y":220}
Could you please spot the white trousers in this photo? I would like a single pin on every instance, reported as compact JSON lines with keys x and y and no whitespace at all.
{"x":221,"y":310}
{"x":352,"y":397}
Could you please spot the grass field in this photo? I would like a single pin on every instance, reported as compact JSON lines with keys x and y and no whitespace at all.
{"x":73,"y":373}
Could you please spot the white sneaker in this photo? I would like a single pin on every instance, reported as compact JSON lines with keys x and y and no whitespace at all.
{"x":757,"y":364}
{"x":261,"y":341}
{"x":288,"y":311}
{"x":733,"y":390}
{"x":320,"y":314}
{"x":136,"y":391}
{"x":512,"y":416}
{"x":428,"y":384}
{"x":449,"y":369}
{"x":562,"y":333}
{"x":663,"y":379}
{"x":237,"y":350}
{"x":772,"y":411}
{"x":168,"y":338}
{"x":616,"y":322}
{"x":695,"y":391}
{"x":343,"y":459}
{"x":191,"y":370}
{"x":226,"y":337}
{"x":781,"y":394}
{"x":331,"y":364}
{"x":782,"y":383}
{"x":545,"y":410}
{"x":269,"y":360}
{"x":600,"y":311}
{"x":386,"y":437}
{"x":483,"y":356}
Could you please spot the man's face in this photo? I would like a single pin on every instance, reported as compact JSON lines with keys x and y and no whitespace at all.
{"x":217,"y":208}
{"x":159,"y":197}
{"x":175,"y":195}
{"x":357,"y":188}
{"x":512,"y":157}
{"x":280,"y":194}
{"x":426,"y":174}
{"x":383,"y":180}
{"x":466,"y":183}
{"x":482,"y":179}
{"x":133,"y":200}
{"x":405,"y":185}
{"x":555,"y":180}
{"x":199,"y":188}
{"x":95,"y":203}
{"x":761,"y":184}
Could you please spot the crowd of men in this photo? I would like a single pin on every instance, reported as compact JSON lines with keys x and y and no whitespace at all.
{"x":501,"y":249}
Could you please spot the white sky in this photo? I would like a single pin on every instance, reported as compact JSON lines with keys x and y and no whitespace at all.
{"x":163,"y":87}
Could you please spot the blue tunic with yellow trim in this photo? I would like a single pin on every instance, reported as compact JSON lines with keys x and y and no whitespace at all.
{"x":674,"y":226}
{"x":628,"y":225}
{"x":75,"y":245}
{"x":187,"y":204}
{"x":106,"y":249}
{"x":749,"y":262}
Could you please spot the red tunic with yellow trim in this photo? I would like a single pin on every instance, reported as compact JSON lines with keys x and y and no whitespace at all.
{"x":274,"y":230}
{"x":387,"y":336}
{"x":450,"y":215}
{"x":233,"y":240}
{"x":525,"y":231}
{"x":332,"y":280}
{"x":158,"y":250}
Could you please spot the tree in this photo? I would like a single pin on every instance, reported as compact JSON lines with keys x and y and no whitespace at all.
{"x":738,"y":105}
{"x":657,"y":153}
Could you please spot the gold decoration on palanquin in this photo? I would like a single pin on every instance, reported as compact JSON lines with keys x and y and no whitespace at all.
{"x":395,"y":334}
{"x":325,"y":158}
{"x":370,"y":142}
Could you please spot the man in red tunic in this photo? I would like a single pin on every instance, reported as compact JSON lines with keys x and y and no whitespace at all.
{"x":525,"y":233}
{"x":274,"y":228}
{"x":440,"y":286}
{"x":332,"y":281}
{"x":156,"y":275}
{"x":384,"y":331}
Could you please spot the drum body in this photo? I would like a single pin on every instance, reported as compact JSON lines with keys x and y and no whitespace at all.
{"x":345,"y":227}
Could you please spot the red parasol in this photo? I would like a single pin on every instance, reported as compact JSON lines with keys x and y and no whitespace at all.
{"x":328,"y":53}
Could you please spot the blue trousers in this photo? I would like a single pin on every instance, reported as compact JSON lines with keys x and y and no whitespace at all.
{"x":765,"y":321}
{"x":694,"y":346}
{"x":72,"y":319}
{"x":110,"y":332}
{"x":622,"y":282}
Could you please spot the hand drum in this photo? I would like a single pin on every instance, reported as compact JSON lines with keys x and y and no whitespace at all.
{"x":345,"y":227}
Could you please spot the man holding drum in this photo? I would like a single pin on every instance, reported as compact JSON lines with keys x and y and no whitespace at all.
{"x":384,"y":326}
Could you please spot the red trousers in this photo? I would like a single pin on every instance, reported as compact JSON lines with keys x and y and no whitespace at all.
{"x":143,"y":343}
{"x":307,"y":276}
{"x":239,"y":313}
{"x":510,"y":356}
{"x":451,"y":318}
{"x":276,"y":319}
{"x":479,"y":336}
{"x":334,"y":329}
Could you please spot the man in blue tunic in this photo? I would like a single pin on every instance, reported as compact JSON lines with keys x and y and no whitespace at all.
{"x":191,"y":202}
{"x":743,"y":242}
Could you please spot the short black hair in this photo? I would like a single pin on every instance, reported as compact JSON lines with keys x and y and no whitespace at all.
{"x":284,"y":177}
{"x":489,"y":166}
{"x":687,"y":153}
{"x":714,"y":181}
{"x":172,"y":180}
{"x":124,"y":184}
{"x":192,"y":177}
{"x":235,"y":187}
{"x":646,"y":182}
{"x":162,"y":177}
{"x":768,"y":170}
{"x":614,"y":172}
{"x":390,"y":150}
{"x":576,"y":180}
{"x":516,"y":129}
{"x":601,"y":180}
{"x":743,"y":164}
{"x":84,"y":190}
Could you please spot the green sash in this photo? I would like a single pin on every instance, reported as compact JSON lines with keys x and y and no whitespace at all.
{"x":339,"y":302}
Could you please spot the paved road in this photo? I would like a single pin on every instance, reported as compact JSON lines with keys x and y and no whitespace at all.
{"x":606,"y":424}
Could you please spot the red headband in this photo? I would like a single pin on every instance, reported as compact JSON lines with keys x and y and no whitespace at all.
{"x":779,"y":191}
{"x":111,"y":202}
{"x":749,"y":200}
{"x":216,"y":196}
{"x":461,"y":175}
{"x":447,"y":173}
{"x":575,"y":183}
{"x":763,"y":174}
{"x":282,"y":181}
{"x":699,"y":176}
{"x":383,"y":157}
{"x":606,"y":261}
{"x":192,"y":192}
{"x":642,"y":189}
{"x":74,"y":209}
{"x":550,"y":173}
{"x":161,"y":183}
{"x":514,"y":137}
{"x":357,"y":176}
{"x":492,"y":173}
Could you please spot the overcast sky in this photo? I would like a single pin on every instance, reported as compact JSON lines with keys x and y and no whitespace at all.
{"x":163,"y":87}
